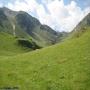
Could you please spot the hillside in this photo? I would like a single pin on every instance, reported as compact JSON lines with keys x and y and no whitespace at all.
{"x":10,"y":45}
{"x":84,"y":23}
{"x":21,"y":24}
{"x":81,"y":27}
{"x":20,"y":32}
{"x":64,"y":66}
{"x":12,"y":39}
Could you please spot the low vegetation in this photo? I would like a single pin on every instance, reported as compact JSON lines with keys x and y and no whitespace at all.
{"x":63,"y":66}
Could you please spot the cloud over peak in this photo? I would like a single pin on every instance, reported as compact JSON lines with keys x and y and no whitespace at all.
{"x":54,"y":13}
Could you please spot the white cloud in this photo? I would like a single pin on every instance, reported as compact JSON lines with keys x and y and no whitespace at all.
{"x":66,"y":17}
{"x":59,"y":16}
{"x":25,"y":5}
{"x":1,"y":4}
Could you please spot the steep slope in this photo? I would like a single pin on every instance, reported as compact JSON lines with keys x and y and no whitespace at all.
{"x":42,"y":34}
{"x":85,"y":22}
{"x":64,"y":66}
{"x":9,"y":24}
{"x":12,"y":39}
{"x":21,"y":24}
{"x":81,"y":27}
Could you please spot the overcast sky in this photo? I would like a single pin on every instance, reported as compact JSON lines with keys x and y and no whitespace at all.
{"x":61,"y":15}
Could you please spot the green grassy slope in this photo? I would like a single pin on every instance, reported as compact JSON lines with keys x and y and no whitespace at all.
{"x":64,"y":66}
{"x":9,"y":45}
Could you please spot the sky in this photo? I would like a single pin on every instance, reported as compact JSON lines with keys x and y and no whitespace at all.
{"x":61,"y":15}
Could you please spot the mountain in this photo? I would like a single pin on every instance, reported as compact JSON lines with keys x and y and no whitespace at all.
{"x":20,"y":32}
{"x":64,"y":66}
{"x":84,"y":23}
{"x":82,"y":26}
{"x":22,"y":25}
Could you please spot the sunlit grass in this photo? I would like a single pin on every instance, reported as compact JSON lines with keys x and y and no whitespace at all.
{"x":64,"y":66}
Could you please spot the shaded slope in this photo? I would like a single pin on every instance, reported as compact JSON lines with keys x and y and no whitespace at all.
{"x":41,"y":34}
{"x":12,"y":38}
{"x":21,"y":24}
{"x":9,"y":23}
{"x":64,"y":66}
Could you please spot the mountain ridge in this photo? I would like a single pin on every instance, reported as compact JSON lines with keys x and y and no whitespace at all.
{"x":21,"y":21}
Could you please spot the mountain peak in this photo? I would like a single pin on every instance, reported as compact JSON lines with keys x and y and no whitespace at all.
{"x":25,"y":25}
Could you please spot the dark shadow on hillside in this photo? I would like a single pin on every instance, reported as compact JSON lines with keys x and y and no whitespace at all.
{"x":26,"y":43}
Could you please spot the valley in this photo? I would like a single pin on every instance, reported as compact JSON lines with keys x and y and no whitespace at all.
{"x":32,"y":60}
